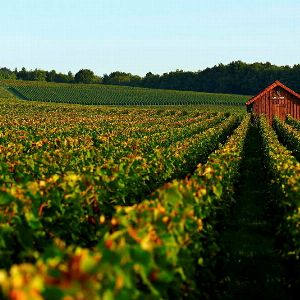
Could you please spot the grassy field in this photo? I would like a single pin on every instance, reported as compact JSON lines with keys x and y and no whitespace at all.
{"x":115,"y":95}
{"x":4,"y":93}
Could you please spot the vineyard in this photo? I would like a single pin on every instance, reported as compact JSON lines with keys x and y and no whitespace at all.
{"x":98,"y":94}
{"x":102,"y":202}
{"x":4,"y":93}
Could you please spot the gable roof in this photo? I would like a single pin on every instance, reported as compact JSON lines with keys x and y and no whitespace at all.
{"x":271,"y":87}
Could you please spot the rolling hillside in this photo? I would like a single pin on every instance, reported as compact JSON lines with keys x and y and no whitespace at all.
{"x":114,"y":95}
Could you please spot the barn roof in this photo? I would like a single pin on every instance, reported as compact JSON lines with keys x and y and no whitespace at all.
{"x":271,"y":87}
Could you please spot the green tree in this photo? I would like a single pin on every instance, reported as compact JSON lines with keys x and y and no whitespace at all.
{"x":85,"y":76}
{"x":38,"y":75}
{"x":51,"y":76}
{"x":6,"y":73}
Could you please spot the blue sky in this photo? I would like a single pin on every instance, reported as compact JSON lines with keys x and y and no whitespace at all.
{"x":141,"y":36}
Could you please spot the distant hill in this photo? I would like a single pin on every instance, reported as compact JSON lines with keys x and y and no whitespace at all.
{"x":99,"y":94}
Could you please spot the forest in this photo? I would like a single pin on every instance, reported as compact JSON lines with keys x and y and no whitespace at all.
{"x":236,"y":77}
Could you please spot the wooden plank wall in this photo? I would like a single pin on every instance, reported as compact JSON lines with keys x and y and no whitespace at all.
{"x":265,"y":105}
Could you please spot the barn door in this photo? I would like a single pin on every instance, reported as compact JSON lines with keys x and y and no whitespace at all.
{"x":280,"y":110}
{"x":279,"y":103}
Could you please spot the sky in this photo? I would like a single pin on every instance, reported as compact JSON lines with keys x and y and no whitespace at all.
{"x":140,"y":36}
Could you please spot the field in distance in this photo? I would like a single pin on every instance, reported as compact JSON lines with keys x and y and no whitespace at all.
{"x":113,"y":95}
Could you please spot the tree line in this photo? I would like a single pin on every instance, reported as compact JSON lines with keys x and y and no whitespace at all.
{"x":235,"y":78}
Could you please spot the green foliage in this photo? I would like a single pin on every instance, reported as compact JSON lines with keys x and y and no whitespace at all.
{"x":101,"y":202}
{"x":288,"y":135}
{"x":4,"y":93}
{"x":6,"y":73}
{"x":92,"y":166}
{"x":153,"y":248}
{"x":34,"y":75}
{"x":121,"y":78}
{"x":86,"y":76}
{"x":236,"y":77}
{"x":293,"y":122}
{"x":41,"y":75}
{"x":284,"y":170}
{"x":118,"y":95}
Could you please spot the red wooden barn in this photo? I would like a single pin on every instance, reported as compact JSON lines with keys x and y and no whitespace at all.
{"x":275,"y":100}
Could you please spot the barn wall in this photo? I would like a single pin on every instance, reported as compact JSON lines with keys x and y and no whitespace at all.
{"x":266,"y":105}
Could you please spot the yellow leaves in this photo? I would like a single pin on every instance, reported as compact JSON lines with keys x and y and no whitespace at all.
{"x":208,"y":170}
{"x":71,"y":179}
{"x":4,"y":281}
{"x":161,"y":209}
{"x":33,"y":187}
{"x":17,"y":278}
{"x":59,"y":243}
{"x":202,"y":191}
{"x":191,"y":213}
{"x":119,"y":282}
{"x":200,"y":224}
{"x":146,"y":237}
{"x":17,"y":192}
{"x":104,"y":138}
{"x":138,"y":158}
{"x":70,"y":141}
{"x":102,"y":219}
{"x":87,"y":260}
{"x":25,"y":283}
{"x":114,"y":221}
{"x":165,"y":219}
{"x":39,"y":144}
{"x":54,"y":178}
{"x":42,"y":184}
{"x":146,"y":243}
{"x":127,"y":209}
